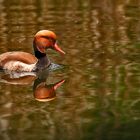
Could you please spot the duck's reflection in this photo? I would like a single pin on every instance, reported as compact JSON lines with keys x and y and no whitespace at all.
{"x":44,"y":92}
{"x":41,"y":90}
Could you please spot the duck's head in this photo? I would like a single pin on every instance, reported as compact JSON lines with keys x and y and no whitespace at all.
{"x":45,"y":39}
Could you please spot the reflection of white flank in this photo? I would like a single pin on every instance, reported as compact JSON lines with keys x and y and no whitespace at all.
{"x":28,"y":77}
{"x":13,"y":74}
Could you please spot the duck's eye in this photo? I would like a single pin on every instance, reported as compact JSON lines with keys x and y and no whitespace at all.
{"x":52,"y":40}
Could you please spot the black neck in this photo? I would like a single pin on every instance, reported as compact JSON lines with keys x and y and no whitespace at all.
{"x":37,"y":53}
{"x":43,"y":60}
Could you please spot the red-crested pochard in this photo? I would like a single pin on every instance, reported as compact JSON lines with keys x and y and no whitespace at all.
{"x":26,"y":62}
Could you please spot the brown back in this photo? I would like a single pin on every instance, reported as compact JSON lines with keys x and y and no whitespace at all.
{"x":17,"y":56}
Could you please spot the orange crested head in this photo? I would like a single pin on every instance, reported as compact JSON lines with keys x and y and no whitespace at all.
{"x":45,"y":39}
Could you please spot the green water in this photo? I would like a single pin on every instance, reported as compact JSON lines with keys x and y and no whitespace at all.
{"x":100,"y":99}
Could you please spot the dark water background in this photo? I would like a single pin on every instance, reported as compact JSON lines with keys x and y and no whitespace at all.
{"x":100,"y":99}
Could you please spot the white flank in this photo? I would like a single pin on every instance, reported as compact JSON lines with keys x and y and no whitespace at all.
{"x":19,"y":66}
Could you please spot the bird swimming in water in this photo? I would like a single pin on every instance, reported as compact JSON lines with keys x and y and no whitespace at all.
{"x":25,"y":62}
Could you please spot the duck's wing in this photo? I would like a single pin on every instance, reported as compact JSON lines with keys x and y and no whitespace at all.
{"x":24,"y":57}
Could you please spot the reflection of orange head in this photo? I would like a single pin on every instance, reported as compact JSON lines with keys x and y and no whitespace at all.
{"x":45,"y":92}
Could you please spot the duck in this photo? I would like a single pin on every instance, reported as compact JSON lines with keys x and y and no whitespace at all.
{"x":25,"y":62}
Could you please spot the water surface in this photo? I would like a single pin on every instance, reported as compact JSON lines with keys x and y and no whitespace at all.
{"x":100,"y":98}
